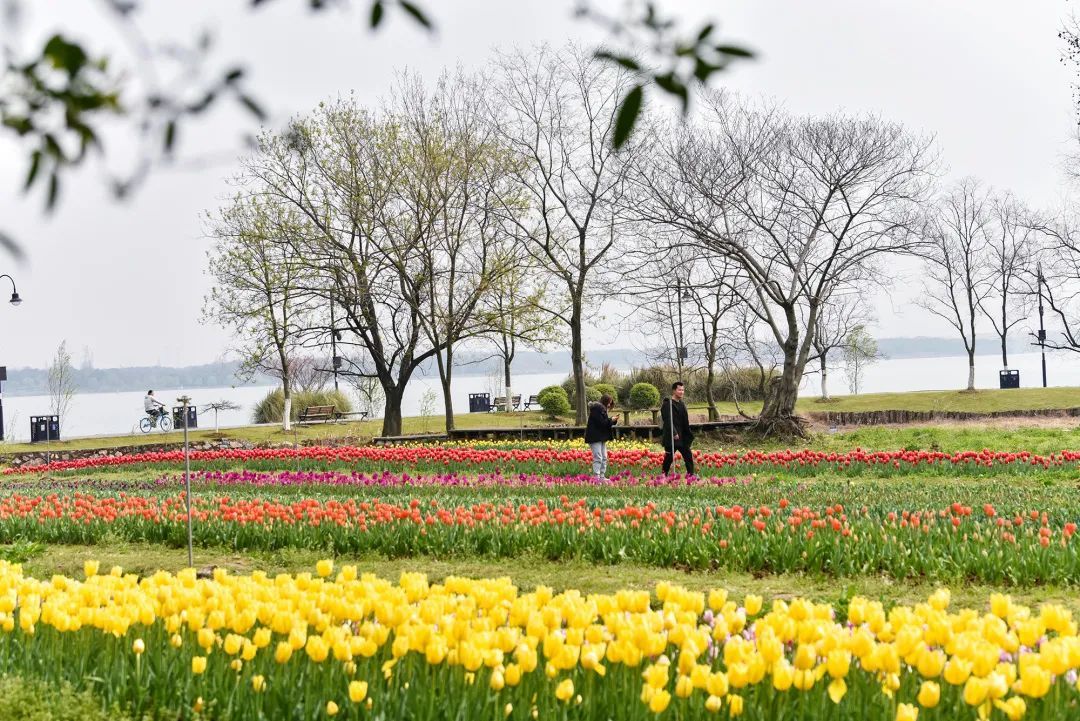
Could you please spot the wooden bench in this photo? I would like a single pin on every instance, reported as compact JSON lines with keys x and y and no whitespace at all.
{"x":317,"y":413}
{"x":533,"y":401}
{"x":328,"y":413}
{"x":499,"y":404}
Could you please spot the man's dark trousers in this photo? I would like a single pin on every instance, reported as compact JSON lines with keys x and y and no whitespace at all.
{"x":687,"y":456}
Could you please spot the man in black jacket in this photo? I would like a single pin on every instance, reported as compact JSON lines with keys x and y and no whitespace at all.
{"x":675,"y":431}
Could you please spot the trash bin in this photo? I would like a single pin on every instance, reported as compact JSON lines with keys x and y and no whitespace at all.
{"x":178,"y":417}
{"x":1009,"y":379}
{"x":479,"y":402}
{"x":44,"y":428}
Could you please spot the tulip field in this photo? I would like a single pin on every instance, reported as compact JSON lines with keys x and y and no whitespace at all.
{"x":334,"y":640}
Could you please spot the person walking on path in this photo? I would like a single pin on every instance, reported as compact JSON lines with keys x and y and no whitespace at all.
{"x":598,"y":432}
{"x":675,"y":431}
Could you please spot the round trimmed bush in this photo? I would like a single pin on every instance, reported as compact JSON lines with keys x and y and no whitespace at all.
{"x":644,"y":395}
{"x":606,"y":389}
{"x":554,"y":401}
{"x":591,"y":394}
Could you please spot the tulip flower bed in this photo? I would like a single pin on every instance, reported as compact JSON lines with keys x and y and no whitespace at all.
{"x":952,"y":543}
{"x":571,"y":460}
{"x":350,"y":645}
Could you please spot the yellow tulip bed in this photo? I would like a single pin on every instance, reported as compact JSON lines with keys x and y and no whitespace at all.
{"x":347,"y":644}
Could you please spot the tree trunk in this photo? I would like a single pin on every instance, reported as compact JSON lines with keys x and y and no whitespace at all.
{"x":286,"y":414}
{"x":1004,"y":329}
{"x":778,"y":413}
{"x":391,"y":425}
{"x":824,"y":379}
{"x":971,"y":371}
{"x":578,"y":364}
{"x":506,"y":382}
{"x":446,"y":371}
{"x":710,"y":400}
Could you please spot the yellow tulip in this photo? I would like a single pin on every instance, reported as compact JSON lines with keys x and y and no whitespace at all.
{"x":783,"y":675}
{"x":90,"y":568}
{"x":717,"y":685}
{"x":358,"y":691}
{"x":258,"y":683}
{"x":735,"y":705}
{"x":713,"y":704}
{"x":752,"y":603}
{"x":1014,"y":708}
{"x":837,"y":689}
{"x":331,"y":708}
{"x":907,"y":712}
{"x":929,"y":694}
{"x":324,"y":567}
{"x":138,"y":647}
{"x":975,"y":691}
{"x":565,"y":690}
{"x":838,"y":662}
{"x":659,"y":701}
{"x":198,"y":664}
{"x":283,"y":651}
{"x":957,"y":671}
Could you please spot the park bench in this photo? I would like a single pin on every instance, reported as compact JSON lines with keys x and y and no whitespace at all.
{"x":533,"y":401}
{"x":317,"y":413}
{"x":499,"y":404}
{"x":328,"y":413}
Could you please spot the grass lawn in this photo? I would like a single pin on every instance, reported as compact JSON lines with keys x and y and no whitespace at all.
{"x":362,"y":432}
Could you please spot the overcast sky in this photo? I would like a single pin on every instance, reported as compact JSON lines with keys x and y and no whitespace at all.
{"x":127,"y":280}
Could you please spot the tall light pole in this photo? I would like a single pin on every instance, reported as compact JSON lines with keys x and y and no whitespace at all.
{"x":1042,"y":329}
{"x":184,"y":402}
{"x":335,"y":362}
{"x":15,"y":301}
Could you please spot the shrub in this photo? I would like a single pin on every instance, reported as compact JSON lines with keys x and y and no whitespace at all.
{"x":25,"y":699}
{"x":606,"y":389}
{"x":591,"y":395}
{"x":644,"y":395}
{"x":271,"y":407}
{"x":554,"y":401}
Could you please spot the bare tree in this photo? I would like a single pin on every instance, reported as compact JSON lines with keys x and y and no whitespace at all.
{"x":259,"y":289}
{"x":837,"y":320}
{"x":799,"y":205}
{"x":860,"y":350}
{"x":340,"y":169}
{"x":1057,"y":279}
{"x":454,"y":190}
{"x":557,"y":110}
{"x":1011,"y":244}
{"x":515,"y":316}
{"x":959,"y":272}
{"x":218,"y":406}
{"x":61,"y":380}
{"x":309,"y":373}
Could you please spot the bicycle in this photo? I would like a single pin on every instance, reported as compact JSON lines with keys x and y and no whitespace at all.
{"x":158,"y":420}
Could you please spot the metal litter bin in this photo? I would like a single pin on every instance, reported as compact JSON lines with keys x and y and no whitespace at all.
{"x":1009,"y":379}
{"x":178,"y":417}
{"x":479,"y":402}
{"x":44,"y":428}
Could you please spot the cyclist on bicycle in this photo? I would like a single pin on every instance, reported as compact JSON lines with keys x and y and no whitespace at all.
{"x":153,"y":407}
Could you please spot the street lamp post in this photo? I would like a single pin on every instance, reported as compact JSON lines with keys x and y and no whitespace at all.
{"x":1042,"y":330}
{"x":184,"y":402}
{"x":335,"y":361}
{"x":15,"y":301}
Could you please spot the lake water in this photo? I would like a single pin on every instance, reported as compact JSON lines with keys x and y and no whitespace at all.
{"x":119,"y":413}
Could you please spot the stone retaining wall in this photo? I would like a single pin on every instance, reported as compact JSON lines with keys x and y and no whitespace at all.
{"x":876,"y":418}
{"x":32,"y":458}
